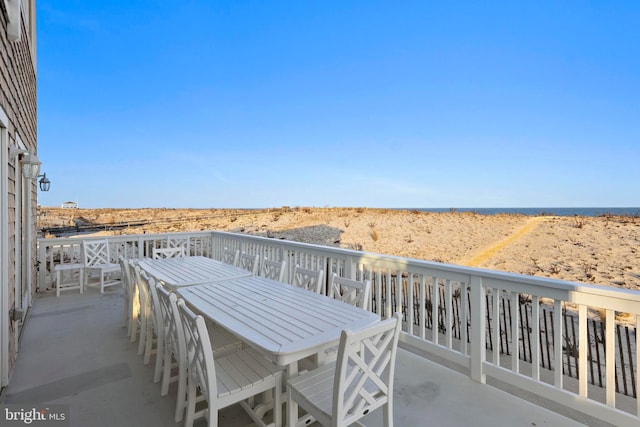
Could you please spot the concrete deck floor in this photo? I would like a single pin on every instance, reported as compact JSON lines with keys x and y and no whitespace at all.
{"x":75,"y":352}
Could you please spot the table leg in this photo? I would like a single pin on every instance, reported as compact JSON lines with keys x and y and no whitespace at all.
{"x":292,"y":407}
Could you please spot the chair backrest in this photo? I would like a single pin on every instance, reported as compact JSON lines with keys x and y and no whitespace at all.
{"x":178,"y":242}
{"x":153,"y":312}
{"x":173,"y":332}
{"x":350,"y":291}
{"x":143,"y":294}
{"x":201,"y":367}
{"x":230,"y":256}
{"x":176,"y":252}
{"x":127,"y":276}
{"x":364,"y":370}
{"x":249,"y":262}
{"x":273,"y":269}
{"x":310,"y":280}
{"x":95,"y":252}
{"x":130,"y":272}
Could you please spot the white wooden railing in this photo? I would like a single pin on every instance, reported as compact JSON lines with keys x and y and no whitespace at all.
{"x":449,"y":311}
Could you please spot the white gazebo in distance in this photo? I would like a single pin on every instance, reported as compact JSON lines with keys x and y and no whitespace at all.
{"x":70,"y":205}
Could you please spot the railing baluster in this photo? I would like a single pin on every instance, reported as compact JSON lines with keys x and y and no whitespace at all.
{"x":379,"y":292}
{"x":515,"y":314}
{"x":423,"y":309}
{"x":535,"y":341}
{"x":610,"y":358}
{"x":448,"y":319}
{"x":557,"y":344}
{"x":435,"y":303}
{"x":463,"y":318}
{"x":478,"y":330}
{"x":399,"y":293}
{"x":583,"y":343}
{"x":410,"y":306}
{"x":497,"y":340}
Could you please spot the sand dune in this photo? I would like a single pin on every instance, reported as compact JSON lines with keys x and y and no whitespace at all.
{"x":598,"y":250}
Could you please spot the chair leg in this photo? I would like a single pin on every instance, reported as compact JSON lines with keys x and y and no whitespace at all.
{"x":135,"y":315}
{"x":129,"y":316}
{"x":166,"y":372}
{"x":125,"y":309}
{"x":213,"y":418}
{"x":291,"y":415}
{"x":148,"y":344}
{"x":387,"y":410}
{"x":58,"y":281}
{"x":277,"y":402}
{"x":143,"y":335}
{"x":157,"y":373}
{"x":191,"y":405}
{"x":102,"y":283}
{"x":182,"y":392}
{"x":133,"y":326}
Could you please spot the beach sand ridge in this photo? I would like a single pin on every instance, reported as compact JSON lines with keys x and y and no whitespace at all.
{"x":597,"y":250}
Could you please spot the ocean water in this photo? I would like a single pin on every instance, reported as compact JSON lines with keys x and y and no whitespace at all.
{"x":601,"y":211}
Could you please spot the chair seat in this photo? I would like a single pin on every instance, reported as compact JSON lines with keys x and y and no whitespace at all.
{"x":341,"y":393}
{"x":106,"y":268}
{"x":243,"y":372}
{"x":314,"y":390}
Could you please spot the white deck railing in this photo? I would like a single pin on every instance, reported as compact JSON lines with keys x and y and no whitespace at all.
{"x":466,"y":307}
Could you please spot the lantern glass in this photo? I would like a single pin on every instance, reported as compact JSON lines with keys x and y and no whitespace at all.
{"x":30,"y":166}
{"x":45,"y":184}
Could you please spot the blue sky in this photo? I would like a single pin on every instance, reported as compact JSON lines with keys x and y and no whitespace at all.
{"x":211,"y":104}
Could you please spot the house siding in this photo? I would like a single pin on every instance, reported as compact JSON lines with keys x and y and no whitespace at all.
{"x":18,"y":99}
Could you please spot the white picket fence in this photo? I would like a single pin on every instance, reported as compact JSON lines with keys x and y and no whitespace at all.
{"x":452,"y":294}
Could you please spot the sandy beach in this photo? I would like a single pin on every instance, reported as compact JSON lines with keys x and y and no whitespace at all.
{"x":598,"y":250}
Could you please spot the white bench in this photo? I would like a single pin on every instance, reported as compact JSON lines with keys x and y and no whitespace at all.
{"x":61,"y":285}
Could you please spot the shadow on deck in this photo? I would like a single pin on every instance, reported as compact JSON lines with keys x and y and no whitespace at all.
{"x":75,"y":352}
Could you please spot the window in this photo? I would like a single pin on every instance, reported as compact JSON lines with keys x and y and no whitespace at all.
{"x":20,"y":12}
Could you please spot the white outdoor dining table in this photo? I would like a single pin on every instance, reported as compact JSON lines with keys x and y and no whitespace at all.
{"x":283,"y":322}
{"x":191,"y":270}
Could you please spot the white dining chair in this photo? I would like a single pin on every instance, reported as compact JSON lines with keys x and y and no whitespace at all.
{"x":144,"y":297}
{"x":152,"y":332}
{"x":249,"y":262}
{"x":178,"y":242}
{"x":162,"y":253}
{"x":226,"y":380}
{"x":135,"y":316}
{"x":230,"y":256}
{"x":174,"y":349}
{"x":360,"y":381}
{"x":98,"y":260}
{"x":222,"y":343}
{"x":351,"y":291}
{"x":128,"y":294}
{"x":310,"y":280}
{"x":273,"y":270}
